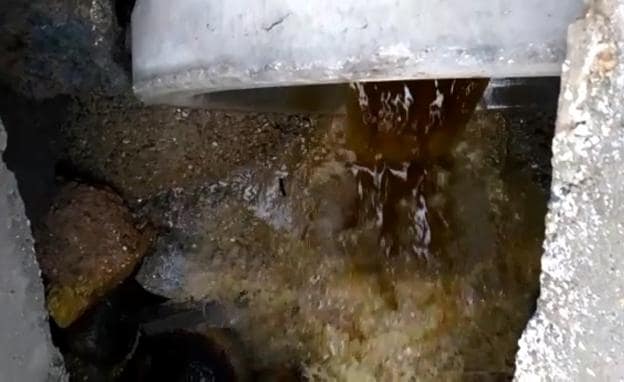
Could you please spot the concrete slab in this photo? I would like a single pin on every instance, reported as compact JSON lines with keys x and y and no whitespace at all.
{"x":26,"y":350}
{"x":184,"y":49}
{"x":577,"y":333}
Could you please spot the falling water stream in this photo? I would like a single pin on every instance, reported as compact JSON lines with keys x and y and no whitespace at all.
{"x":397,"y":131}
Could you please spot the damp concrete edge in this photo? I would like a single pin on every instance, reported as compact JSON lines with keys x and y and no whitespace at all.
{"x":184,"y":49}
{"x":26,"y":349}
{"x":577,"y":332}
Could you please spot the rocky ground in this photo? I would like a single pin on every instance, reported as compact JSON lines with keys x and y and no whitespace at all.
{"x":262,"y":231}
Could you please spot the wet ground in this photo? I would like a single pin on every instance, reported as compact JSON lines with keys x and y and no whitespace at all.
{"x":400,"y":240}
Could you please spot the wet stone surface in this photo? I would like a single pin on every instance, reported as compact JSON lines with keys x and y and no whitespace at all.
{"x":145,"y":151}
{"x":355,"y":264}
{"x":87,"y":244}
{"x":399,"y":241}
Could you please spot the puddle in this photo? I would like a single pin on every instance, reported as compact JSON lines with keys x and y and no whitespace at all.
{"x":401,"y":240}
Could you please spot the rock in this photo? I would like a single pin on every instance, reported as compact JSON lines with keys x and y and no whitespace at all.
{"x":81,"y":370}
{"x":283,"y":374}
{"x":143,"y":151}
{"x":87,"y":245}
{"x":577,"y":333}
{"x":27,"y":352}
{"x":187,"y":356}
{"x":97,"y":346}
{"x":62,"y":47}
{"x":104,"y":335}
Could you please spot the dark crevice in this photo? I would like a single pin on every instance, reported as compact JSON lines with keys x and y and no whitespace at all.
{"x":66,"y":171}
{"x":32,"y":129}
{"x":179,"y":356}
{"x":123,"y":12}
{"x":122,"y":49}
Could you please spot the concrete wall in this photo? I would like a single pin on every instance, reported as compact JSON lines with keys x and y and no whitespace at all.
{"x":184,"y":48}
{"x":26,"y":350}
{"x":577,"y":333}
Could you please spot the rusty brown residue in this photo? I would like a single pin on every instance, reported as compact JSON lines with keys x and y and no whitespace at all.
{"x":607,"y":60}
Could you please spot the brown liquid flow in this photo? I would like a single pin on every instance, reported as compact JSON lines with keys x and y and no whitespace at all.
{"x":396,"y":130}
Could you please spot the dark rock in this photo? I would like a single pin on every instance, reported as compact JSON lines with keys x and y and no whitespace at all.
{"x":51,"y":47}
{"x":104,"y":335}
{"x":98,"y":345}
{"x":281,"y":374}
{"x":183,"y":356}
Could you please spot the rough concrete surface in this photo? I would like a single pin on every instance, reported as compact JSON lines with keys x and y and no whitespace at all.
{"x":26,"y":350}
{"x":577,"y":333}
{"x":186,"y":48}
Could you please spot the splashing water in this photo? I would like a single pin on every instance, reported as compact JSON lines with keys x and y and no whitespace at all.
{"x":394,"y":137}
{"x":399,"y":241}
